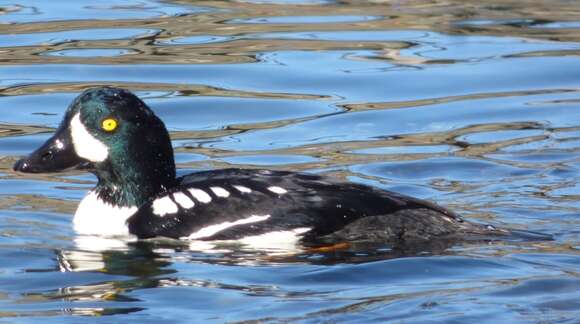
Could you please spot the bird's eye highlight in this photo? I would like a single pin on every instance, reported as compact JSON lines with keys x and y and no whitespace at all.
{"x":109,"y":124}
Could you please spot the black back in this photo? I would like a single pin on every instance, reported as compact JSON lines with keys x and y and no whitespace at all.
{"x":320,"y":203}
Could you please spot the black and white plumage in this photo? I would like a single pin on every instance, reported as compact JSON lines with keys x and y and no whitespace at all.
{"x":113,"y":134}
{"x":232,"y":204}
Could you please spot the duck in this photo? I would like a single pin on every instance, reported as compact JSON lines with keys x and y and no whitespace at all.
{"x":113,"y":134}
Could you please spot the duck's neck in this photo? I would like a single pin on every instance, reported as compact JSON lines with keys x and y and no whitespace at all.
{"x":131,"y":183}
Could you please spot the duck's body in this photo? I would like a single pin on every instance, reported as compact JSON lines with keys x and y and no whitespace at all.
{"x":116,"y":136}
{"x":243,"y":204}
{"x":234,"y":204}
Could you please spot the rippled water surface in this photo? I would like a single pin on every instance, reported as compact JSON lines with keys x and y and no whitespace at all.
{"x":473,"y":104}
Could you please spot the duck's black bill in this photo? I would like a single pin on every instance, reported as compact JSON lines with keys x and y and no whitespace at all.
{"x":56,"y":154}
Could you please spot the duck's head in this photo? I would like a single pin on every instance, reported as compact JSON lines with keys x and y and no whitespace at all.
{"x":114,"y":134}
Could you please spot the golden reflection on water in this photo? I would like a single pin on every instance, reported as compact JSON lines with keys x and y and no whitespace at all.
{"x":242,"y":37}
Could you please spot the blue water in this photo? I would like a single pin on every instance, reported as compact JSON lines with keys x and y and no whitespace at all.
{"x":474,"y":105}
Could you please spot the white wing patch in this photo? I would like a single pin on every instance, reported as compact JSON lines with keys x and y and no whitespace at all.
{"x":278,"y":190}
{"x":96,"y":217}
{"x":284,"y":240}
{"x":243,"y":189}
{"x":183,"y":200}
{"x":276,"y":243}
{"x":200,"y":195}
{"x":85,"y":144}
{"x":220,"y":192}
{"x":163,"y":206}
{"x":213,"y":229}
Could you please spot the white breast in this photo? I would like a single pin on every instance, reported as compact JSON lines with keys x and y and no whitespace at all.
{"x":96,"y":217}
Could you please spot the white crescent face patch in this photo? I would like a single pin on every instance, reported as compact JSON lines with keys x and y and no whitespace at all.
{"x":85,"y":144}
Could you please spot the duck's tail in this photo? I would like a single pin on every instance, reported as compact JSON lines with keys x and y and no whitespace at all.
{"x":490,"y":232}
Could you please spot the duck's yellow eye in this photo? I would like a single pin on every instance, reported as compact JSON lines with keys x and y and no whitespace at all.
{"x":109,"y":124}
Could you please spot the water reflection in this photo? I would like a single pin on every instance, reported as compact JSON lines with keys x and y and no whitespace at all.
{"x":160,"y":264}
{"x":41,"y":11}
{"x":128,"y":256}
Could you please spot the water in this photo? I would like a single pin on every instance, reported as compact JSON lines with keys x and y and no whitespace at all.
{"x":473,"y":104}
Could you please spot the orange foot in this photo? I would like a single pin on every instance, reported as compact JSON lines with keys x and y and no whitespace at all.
{"x":329,"y":248}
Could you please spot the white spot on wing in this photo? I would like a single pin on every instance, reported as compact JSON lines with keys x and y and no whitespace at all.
{"x":85,"y":144}
{"x":96,"y":217}
{"x":213,"y":229}
{"x":278,"y":190}
{"x":220,"y":192}
{"x":243,"y":189}
{"x":200,"y":195}
{"x":163,"y":206}
{"x":183,"y":200}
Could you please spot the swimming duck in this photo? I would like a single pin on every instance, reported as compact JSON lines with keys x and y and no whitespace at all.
{"x":116,"y":136}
